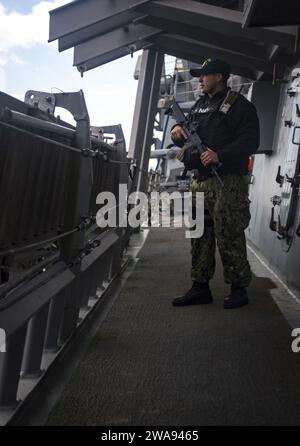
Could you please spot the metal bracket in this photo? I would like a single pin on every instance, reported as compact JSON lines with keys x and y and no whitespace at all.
{"x":74,"y":103}
{"x":297,"y":143}
{"x":295,"y":87}
{"x":273,"y":223}
{"x":89,"y":153}
{"x":281,"y":230}
{"x":289,"y":123}
{"x":291,"y":93}
{"x":294,"y":181}
{"x":43,"y":101}
{"x":298,"y":230}
{"x":279,"y":177}
{"x":276,"y":200}
{"x":47,"y":102}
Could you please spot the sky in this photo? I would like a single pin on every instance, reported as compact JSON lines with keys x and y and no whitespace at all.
{"x":29,"y":62}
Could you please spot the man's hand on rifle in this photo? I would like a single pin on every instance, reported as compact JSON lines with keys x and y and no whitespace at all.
{"x":178,"y":134}
{"x":209,"y":157}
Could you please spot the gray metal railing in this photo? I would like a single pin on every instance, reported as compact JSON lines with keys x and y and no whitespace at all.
{"x":53,"y":257}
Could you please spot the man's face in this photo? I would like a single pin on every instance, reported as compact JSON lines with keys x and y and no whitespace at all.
{"x":209,"y":82}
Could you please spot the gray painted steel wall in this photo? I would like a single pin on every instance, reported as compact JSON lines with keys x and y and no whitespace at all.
{"x":285,"y":264}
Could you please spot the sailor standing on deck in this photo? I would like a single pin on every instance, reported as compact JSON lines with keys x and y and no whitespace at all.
{"x":231,"y":135}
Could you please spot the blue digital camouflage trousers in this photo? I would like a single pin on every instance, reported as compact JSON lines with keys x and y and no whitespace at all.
{"x":226,"y":217}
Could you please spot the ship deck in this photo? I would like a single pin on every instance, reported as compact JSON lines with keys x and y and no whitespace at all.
{"x":150,"y":363}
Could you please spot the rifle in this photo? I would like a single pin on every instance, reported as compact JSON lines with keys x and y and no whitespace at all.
{"x":193,"y":140}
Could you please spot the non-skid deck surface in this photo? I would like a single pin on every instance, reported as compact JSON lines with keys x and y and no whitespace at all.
{"x":154,"y":364}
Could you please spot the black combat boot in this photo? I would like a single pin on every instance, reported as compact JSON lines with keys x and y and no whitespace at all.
{"x":197,"y":295}
{"x":237,"y":298}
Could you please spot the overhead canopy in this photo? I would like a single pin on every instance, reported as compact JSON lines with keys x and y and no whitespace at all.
{"x":259,"y":13}
{"x":103,"y":30}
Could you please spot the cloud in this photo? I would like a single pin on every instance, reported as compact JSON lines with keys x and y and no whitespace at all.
{"x":6,"y":58}
{"x":24,"y":31}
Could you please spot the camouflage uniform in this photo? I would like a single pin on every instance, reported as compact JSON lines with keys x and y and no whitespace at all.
{"x":234,"y":136}
{"x":226,"y":218}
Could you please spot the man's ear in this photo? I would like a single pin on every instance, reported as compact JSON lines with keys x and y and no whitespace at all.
{"x":219,"y":77}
